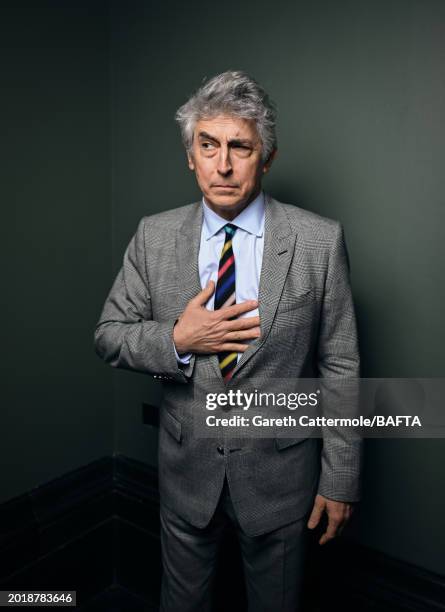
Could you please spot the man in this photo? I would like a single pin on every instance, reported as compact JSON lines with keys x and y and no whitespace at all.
{"x":238,"y":285}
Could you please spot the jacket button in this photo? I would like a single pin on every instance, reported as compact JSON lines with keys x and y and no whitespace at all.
{"x":220,"y":450}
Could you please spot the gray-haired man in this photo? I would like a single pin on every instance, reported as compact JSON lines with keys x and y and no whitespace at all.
{"x":237,"y":285}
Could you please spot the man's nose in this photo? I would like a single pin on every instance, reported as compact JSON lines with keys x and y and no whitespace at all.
{"x":224,"y":163}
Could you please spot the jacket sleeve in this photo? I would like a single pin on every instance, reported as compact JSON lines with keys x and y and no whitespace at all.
{"x":126,"y":335}
{"x":339,"y":367}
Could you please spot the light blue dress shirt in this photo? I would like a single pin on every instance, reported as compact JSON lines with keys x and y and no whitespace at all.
{"x":247,"y":245}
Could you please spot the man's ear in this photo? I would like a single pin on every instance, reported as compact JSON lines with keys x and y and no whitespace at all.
{"x":269,"y":160}
{"x":190,"y":161}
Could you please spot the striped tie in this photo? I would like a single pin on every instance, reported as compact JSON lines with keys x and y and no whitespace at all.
{"x":225,"y":295}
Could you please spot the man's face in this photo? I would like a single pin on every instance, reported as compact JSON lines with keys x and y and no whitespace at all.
{"x":226,"y":158}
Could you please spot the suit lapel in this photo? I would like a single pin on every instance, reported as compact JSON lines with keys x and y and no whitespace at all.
{"x":188,"y":239}
{"x":278,"y":249}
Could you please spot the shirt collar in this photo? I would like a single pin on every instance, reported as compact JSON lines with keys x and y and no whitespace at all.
{"x":251,"y":219}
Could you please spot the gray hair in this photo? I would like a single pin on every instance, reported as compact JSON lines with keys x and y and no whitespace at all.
{"x":230,"y":93}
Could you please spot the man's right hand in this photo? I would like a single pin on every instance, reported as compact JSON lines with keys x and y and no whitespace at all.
{"x":199,"y":330}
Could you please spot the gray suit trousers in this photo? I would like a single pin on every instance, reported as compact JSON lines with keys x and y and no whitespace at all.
{"x":273,"y":562}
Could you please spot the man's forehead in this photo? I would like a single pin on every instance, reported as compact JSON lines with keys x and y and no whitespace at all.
{"x":226,"y":126}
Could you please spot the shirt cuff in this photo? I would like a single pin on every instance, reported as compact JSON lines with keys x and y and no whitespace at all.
{"x":185,"y":359}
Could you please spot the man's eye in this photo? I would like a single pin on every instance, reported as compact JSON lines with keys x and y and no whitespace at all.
{"x":243,"y":150}
{"x":207,"y":145}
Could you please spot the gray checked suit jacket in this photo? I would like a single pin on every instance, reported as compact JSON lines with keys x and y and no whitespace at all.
{"x":308,"y":329}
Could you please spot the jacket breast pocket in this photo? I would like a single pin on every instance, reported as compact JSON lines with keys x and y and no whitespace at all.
{"x":288,"y":303}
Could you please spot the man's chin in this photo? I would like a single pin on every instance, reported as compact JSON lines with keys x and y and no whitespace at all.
{"x":225,"y":200}
{"x":226,"y":195}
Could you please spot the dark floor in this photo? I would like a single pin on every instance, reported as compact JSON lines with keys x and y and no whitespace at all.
{"x":120,"y":599}
{"x":117,"y":599}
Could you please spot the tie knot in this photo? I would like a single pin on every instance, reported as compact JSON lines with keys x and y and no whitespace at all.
{"x":230,"y":229}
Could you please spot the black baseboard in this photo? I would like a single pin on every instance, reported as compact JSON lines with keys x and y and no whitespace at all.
{"x":98,"y":527}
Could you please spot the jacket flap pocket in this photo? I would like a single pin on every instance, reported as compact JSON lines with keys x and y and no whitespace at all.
{"x":292,"y":302}
{"x":285,"y":442}
{"x":171,"y":424}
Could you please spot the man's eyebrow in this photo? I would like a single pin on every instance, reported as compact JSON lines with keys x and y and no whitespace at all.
{"x":233,"y":141}
{"x":241,"y":141}
{"x":208,"y":136}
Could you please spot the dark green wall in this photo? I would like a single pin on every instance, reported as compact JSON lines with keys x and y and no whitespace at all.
{"x":360,"y":91}
{"x":56,"y":412}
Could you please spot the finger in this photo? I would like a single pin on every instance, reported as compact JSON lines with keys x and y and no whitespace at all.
{"x":331,"y":530}
{"x":243,"y":323}
{"x":237,"y":309}
{"x":340,"y":528}
{"x":233,"y":347}
{"x":203,"y":296}
{"x":316,"y":514}
{"x":324,"y":538}
{"x":344,"y":521}
{"x":346,"y":516}
{"x":329,"y":534}
{"x":254,"y":332}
